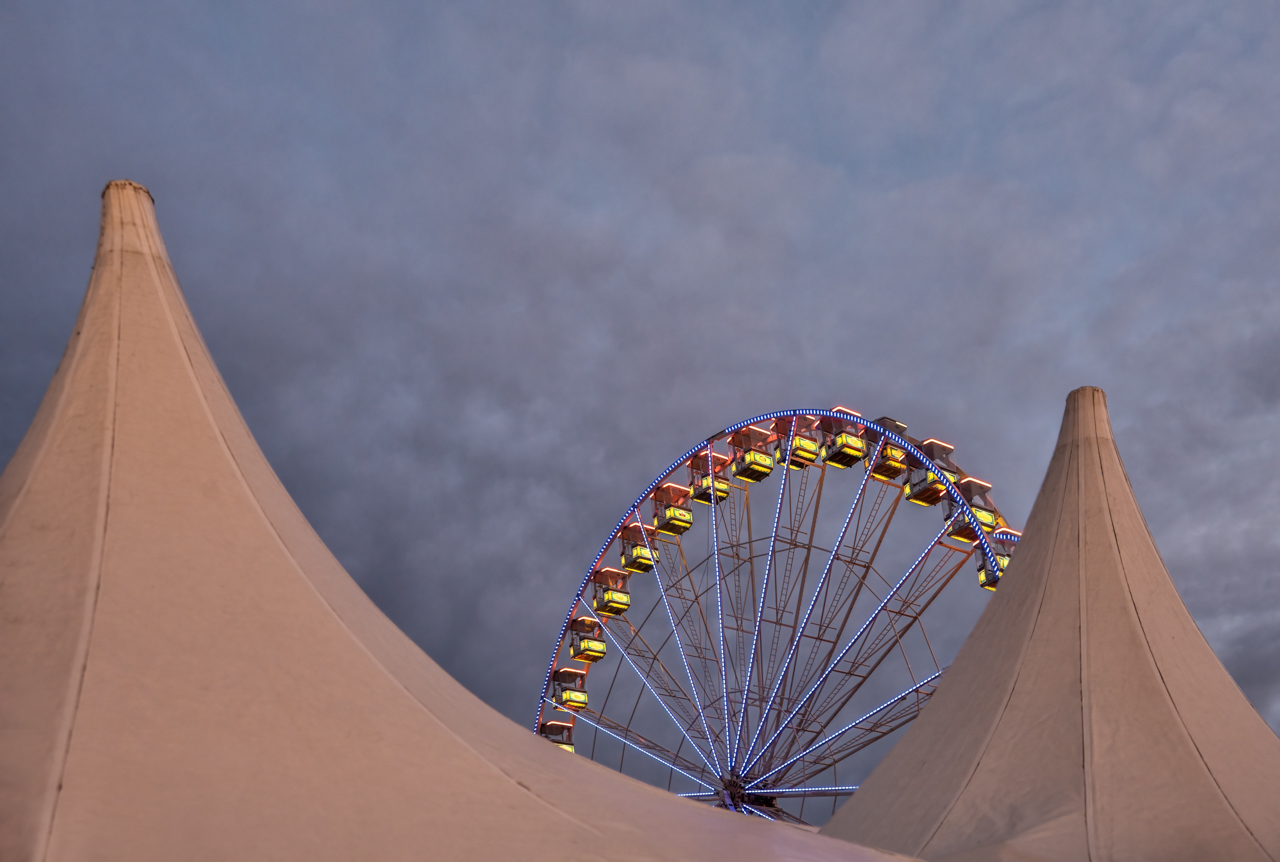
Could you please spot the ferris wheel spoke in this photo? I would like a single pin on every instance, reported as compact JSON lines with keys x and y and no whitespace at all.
{"x":773,"y":673}
{"x":832,"y":790}
{"x":900,"y":716}
{"x":792,"y":597}
{"x":781,"y":678}
{"x":864,"y":722}
{"x":737,"y":564}
{"x":715,"y":556}
{"x":877,"y":525}
{"x":900,"y":616}
{"x":662,"y":681}
{"x":785,"y":585}
{"x":776,"y":813}
{"x":630,"y":738}
{"x":751,"y":810}
{"x":647,"y":680}
{"x":852,"y":642}
{"x":764,"y":589}
{"x":675,"y":631}
{"x":814,"y":660}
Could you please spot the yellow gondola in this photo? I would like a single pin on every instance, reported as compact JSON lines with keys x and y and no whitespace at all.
{"x":571,"y":698}
{"x":961,"y":530}
{"x":586,"y":649}
{"x":610,"y":602}
{"x":637,"y":558}
{"x":803,"y":452}
{"x":673,"y":520}
{"x":986,"y":580}
{"x":891,"y":464}
{"x":752,"y":465}
{"x":926,"y":487}
{"x":570,"y":688}
{"x":844,"y":450}
{"x":559,"y":734}
{"x":986,"y":517}
{"x":701,"y":490}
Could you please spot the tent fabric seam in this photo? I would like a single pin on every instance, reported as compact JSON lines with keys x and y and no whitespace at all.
{"x":1086,"y":725}
{"x":91,"y":604}
{"x":995,"y":725}
{"x":297,"y":568}
{"x":1160,"y":673}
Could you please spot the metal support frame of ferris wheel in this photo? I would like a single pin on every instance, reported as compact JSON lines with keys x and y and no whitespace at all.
{"x":802,"y":697}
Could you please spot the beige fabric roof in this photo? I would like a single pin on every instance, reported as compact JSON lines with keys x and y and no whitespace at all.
{"x":187,"y":673}
{"x":1085,"y":718}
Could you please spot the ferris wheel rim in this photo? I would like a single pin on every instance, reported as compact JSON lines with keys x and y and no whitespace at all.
{"x":901,"y":441}
{"x":727,"y":744}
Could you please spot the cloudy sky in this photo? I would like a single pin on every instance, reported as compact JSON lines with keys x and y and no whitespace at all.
{"x":477,"y":271}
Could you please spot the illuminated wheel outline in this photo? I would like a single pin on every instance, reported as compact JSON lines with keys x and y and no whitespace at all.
{"x":734,"y":761}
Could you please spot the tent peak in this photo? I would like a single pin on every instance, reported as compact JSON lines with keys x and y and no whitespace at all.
{"x":183,"y":664}
{"x":1085,"y":416}
{"x":1083,"y":391}
{"x":129,"y":225}
{"x":123,"y":185}
{"x":1085,"y":717}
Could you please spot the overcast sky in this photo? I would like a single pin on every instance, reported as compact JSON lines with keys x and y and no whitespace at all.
{"x":476,"y":272}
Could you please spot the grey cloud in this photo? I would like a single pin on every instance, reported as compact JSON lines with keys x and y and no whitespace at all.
{"x":477,"y":272}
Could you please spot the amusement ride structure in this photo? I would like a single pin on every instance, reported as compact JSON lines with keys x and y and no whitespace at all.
{"x":741,"y":646}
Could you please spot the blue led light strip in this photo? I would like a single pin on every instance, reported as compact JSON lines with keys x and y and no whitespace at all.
{"x":579,"y":716}
{"x":831,"y":737}
{"x":764,"y":587}
{"x":644,"y":679}
{"x":715,"y":555}
{"x":955,"y":495}
{"x":840,"y":788}
{"x":823,"y":677}
{"x":795,"y":642}
{"x":693,"y":686}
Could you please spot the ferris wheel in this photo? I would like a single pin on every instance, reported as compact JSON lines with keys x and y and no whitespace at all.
{"x":758,"y":615}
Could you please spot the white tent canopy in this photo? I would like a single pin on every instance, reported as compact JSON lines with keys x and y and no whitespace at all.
{"x":1085,"y":717}
{"x":186,"y":672}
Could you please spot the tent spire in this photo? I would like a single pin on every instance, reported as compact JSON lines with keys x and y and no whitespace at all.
{"x":187,"y":672}
{"x":1085,"y":718}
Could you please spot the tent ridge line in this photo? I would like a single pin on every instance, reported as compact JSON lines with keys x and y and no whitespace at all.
{"x":229,"y":453}
{"x":1086,"y":702}
{"x":1156,"y":665}
{"x":67,"y":365}
{"x":85,"y":644}
{"x":1026,"y":645}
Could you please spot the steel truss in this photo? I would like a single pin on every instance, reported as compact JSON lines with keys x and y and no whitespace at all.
{"x":757,"y":637}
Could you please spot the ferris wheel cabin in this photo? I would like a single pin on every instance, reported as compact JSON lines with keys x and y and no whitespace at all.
{"x":560,"y":733}
{"x":587,"y":640}
{"x":671,"y":512}
{"x":705,"y":478}
{"x":637,"y":550}
{"x":609,"y":594}
{"x":924,"y":486}
{"x":892,"y":460}
{"x":570,"y":685}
